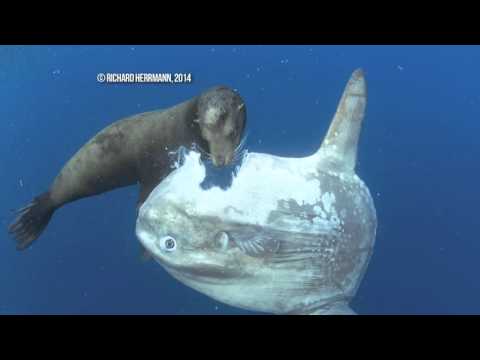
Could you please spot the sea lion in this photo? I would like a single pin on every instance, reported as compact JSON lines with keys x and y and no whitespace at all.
{"x":136,"y":150}
{"x":289,"y":236}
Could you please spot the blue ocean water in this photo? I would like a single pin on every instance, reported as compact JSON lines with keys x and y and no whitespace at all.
{"x":418,"y":154}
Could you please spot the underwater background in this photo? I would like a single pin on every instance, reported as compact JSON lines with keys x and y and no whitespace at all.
{"x":419,"y":155}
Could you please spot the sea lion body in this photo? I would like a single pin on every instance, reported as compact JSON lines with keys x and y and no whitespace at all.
{"x":137,"y":149}
{"x":131,"y":150}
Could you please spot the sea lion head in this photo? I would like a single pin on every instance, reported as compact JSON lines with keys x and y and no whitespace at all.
{"x":221,"y":116}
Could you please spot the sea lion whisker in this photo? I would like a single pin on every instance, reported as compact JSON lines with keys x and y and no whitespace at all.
{"x":237,"y":157}
{"x":241,"y":144}
{"x":240,"y":155}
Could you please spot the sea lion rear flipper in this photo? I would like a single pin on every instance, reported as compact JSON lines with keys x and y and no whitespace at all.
{"x":32,"y":220}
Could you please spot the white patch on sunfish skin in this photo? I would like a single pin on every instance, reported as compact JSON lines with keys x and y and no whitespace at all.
{"x":328,"y":199}
{"x":263,"y":170}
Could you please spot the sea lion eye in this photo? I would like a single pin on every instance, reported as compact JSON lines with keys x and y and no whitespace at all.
{"x":167,"y":243}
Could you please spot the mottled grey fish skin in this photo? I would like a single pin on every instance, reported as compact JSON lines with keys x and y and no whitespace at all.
{"x":290,"y":236}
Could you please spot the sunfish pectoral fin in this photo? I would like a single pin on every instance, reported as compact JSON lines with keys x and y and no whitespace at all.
{"x":253,"y":243}
{"x":339,"y":148}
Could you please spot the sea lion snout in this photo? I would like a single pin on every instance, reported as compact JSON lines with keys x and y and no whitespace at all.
{"x":219,"y":160}
{"x":222,"y":151}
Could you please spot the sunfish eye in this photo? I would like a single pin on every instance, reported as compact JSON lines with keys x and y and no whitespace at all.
{"x":167,"y":243}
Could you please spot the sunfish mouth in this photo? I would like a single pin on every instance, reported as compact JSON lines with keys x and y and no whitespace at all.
{"x":206,"y":273}
{"x":200,"y":270}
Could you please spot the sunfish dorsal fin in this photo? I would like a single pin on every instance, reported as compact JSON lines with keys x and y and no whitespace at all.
{"x":339,"y":148}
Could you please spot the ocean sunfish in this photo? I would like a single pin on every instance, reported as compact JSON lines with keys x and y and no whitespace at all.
{"x":289,"y":236}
